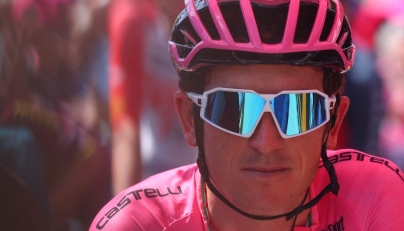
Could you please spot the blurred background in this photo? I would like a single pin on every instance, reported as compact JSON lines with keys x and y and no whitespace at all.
{"x":87,"y":110}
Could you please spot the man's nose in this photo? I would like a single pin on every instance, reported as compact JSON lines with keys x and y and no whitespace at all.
{"x":266,"y":136}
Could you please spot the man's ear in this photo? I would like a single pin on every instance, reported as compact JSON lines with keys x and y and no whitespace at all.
{"x":342,"y":110}
{"x":184,"y":107}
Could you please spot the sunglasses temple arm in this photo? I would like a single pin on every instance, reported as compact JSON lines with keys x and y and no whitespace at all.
{"x":331,"y":102}
{"x":334,"y":115}
{"x":199,"y":100}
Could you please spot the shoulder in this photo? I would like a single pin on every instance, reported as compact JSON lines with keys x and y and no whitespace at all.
{"x":371,"y":190}
{"x":154,"y":203}
{"x":355,"y":164}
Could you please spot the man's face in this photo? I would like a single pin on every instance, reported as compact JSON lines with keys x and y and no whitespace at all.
{"x":264,"y":174}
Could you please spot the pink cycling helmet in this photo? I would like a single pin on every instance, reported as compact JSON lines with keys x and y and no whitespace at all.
{"x":296,"y":32}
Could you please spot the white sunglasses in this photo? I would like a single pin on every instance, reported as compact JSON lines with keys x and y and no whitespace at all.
{"x":238,"y":111}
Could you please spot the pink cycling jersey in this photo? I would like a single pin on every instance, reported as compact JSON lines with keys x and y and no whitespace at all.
{"x":371,"y":198}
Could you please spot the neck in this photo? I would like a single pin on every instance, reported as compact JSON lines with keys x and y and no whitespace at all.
{"x":223,"y":218}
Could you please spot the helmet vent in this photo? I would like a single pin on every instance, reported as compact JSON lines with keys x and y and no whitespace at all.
{"x":235,"y":21}
{"x":207,"y":21}
{"x":329,"y":21}
{"x":188,"y":38}
{"x":184,"y":33}
{"x":271,"y":22}
{"x":345,"y":38}
{"x":305,"y":22}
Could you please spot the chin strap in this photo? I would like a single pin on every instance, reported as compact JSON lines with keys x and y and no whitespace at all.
{"x":333,"y":186}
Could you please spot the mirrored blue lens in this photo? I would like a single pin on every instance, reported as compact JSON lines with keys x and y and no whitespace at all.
{"x":237,"y":112}
{"x":298,"y":113}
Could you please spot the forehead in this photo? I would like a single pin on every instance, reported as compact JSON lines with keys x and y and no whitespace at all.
{"x":269,"y":79}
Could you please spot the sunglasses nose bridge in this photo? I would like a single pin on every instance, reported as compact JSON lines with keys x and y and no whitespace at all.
{"x":266,"y":109}
{"x":267,"y":105}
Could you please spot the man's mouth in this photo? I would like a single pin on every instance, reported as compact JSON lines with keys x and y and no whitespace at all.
{"x":266,"y":172}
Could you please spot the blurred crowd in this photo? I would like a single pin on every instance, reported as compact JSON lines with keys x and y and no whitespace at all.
{"x":86,"y":100}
